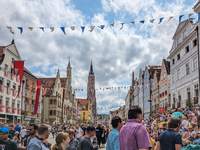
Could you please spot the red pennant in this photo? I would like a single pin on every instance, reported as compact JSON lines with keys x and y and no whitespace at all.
{"x":19,"y":111}
{"x":13,"y":109}
{"x":8,"y":109}
{"x":37,"y":96}
{"x":20,"y":66}
{"x":1,"y":108}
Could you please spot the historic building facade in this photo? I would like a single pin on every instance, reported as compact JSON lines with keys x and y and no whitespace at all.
{"x":10,"y":105}
{"x":183,"y":57}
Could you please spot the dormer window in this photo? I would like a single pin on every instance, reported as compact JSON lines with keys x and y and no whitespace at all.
{"x":195,"y":43}
{"x":187,"y":49}
{"x":178,"y":57}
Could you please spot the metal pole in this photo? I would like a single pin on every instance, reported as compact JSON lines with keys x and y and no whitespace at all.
{"x":22,"y":99}
{"x":197,"y":28}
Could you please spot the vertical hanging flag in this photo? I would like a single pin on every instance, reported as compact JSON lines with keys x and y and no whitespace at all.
{"x":161,"y":20}
{"x":92,"y":28}
{"x":42,"y":28}
{"x":122,"y":26}
{"x":30,"y":28}
{"x":52,"y":29}
{"x":63,"y":30}
{"x":180,"y":17}
{"x":37,"y":96}
{"x":152,"y":20}
{"x":132,"y":22}
{"x":142,"y":21}
{"x":21,"y":29}
{"x":112,"y":24}
{"x":72,"y":27}
{"x":10,"y":28}
{"x":20,"y":66}
{"x":83,"y":28}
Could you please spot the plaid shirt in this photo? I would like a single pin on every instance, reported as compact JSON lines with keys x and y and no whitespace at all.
{"x":113,"y":140}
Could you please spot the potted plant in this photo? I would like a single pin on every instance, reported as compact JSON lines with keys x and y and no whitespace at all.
{"x":26,"y":99}
{"x":33,"y":101}
{"x":25,"y":113}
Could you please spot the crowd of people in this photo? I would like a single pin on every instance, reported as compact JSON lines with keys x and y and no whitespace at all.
{"x":174,"y":130}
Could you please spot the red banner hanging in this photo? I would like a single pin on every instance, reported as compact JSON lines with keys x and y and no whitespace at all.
{"x":1,"y":108}
{"x":37,"y":96}
{"x":13,"y":109}
{"x":8,"y":109}
{"x":20,"y":66}
{"x":19,"y":111}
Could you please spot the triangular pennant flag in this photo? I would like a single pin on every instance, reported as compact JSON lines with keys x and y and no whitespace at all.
{"x":180,"y":17}
{"x":161,"y":20}
{"x":21,"y":29}
{"x":42,"y":28}
{"x":102,"y":26}
{"x":112,"y":24}
{"x":92,"y":28}
{"x":122,"y":26}
{"x":52,"y":29}
{"x":171,"y":18}
{"x":190,"y":15}
{"x":83,"y":28}
{"x":142,"y":21}
{"x":30,"y":28}
{"x":132,"y":22}
{"x":63,"y":30}
{"x":152,"y":20}
{"x":72,"y":27}
{"x":10,"y":28}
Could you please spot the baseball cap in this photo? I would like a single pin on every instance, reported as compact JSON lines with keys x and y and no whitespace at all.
{"x":4,"y":129}
{"x":91,"y":128}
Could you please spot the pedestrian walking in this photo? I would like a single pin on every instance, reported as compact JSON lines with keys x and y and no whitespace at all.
{"x":41,"y":142}
{"x":16,"y":138}
{"x":103,"y":136}
{"x":134,"y":135}
{"x":22,"y":133}
{"x":79,"y":132}
{"x":170,"y":139}
{"x":113,"y":137}
{"x":99,"y":133}
{"x":62,"y":141}
{"x":73,"y":144}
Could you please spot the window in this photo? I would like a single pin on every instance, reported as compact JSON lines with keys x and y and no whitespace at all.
{"x":26,"y":106}
{"x":179,"y":96}
{"x":18,"y":87}
{"x":179,"y":40}
{"x":195,"y":43}
{"x":83,"y":113}
{"x":196,"y":90}
{"x":178,"y":57}
{"x":178,"y":74}
{"x":8,"y":83}
{"x":6,"y":67}
{"x":14,"y":85}
{"x":165,"y":87}
{"x":195,"y":63}
{"x":184,"y":34}
{"x":51,"y":101}
{"x":187,"y":49}
{"x":1,"y":81}
{"x":1,"y":100}
{"x":187,"y":69}
{"x":32,"y":108}
{"x":7,"y":101}
{"x":33,"y":84}
{"x":164,"y":75}
{"x":18,"y":104}
{"x":188,"y":93}
{"x":51,"y":112}
{"x":13,"y":103}
{"x":26,"y":81}
{"x":26,"y":93}
{"x":174,"y":100}
{"x":161,"y":77}
{"x":55,"y":101}
{"x":83,"y":118}
{"x":173,"y":78}
{"x":32,"y":95}
{"x":13,"y":60}
{"x":173,"y":61}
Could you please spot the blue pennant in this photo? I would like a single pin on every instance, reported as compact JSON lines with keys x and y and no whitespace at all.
{"x":42,"y":28}
{"x":161,"y":20}
{"x":83,"y":28}
{"x":122,"y":26}
{"x":63,"y":30}
{"x":101,"y":26}
{"x":21,"y":29}
{"x":180,"y":17}
{"x":142,"y":21}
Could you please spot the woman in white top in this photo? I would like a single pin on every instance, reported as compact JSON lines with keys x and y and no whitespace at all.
{"x":23,"y":133}
{"x":185,"y":123}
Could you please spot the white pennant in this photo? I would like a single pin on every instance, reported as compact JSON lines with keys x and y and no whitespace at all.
{"x":72,"y":27}
{"x":30,"y":28}
{"x":52,"y":29}
{"x":10,"y":28}
{"x":92,"y":28}
{"x":152,"y":20}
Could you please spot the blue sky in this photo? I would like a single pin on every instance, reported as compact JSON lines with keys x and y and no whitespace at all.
{"x":115,"y":53}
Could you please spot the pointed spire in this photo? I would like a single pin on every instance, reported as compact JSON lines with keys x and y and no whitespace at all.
{"x":91,"y":69}
{"x":58,"y":73}
{"x":69,"y":65}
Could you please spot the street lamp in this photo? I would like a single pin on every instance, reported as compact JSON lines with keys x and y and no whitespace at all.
{"x":150,"y":105}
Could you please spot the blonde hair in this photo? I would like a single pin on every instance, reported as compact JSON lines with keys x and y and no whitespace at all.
{"x":59,"y":139}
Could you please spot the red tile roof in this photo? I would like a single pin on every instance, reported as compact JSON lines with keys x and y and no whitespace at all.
{"x":26,"y":70}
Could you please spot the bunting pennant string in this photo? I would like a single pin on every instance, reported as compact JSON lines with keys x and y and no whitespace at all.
{"x":21,"y":29}
{"x":171,"y":18}
{"x":132,"y":22}
{"x":112,"y":24}
{"x":92,"y":28}
{"x":52,"y":29}
{"x":122,"y":26}
{"x":83,"y":28}
{"x":180,"y":17}
{"x":42,"y":28}
{"x":152,"y":20}
{"x":30,"y":28}
{"x":63,"y":30}
{"x":161,"y":20}
{"x":72,"y":28}
{"x":142,"y":21}
{"x":102,"y":26}
{"x":10,"y":28}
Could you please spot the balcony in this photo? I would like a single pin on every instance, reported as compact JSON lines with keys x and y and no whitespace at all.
{"x":195,"y":100}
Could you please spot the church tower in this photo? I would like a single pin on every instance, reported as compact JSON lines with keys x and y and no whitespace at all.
{"x":91,"y":95}
{"x":69,"y":81}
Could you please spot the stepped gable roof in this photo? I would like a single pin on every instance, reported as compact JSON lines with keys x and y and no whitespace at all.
{"x":167,"y":65}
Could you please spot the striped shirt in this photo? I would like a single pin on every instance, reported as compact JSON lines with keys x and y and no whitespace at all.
{"x":113,"y":140}
{"x":134,"y":136}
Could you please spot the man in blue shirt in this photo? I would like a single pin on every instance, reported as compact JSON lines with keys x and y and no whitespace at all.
{"x":113,"y":137}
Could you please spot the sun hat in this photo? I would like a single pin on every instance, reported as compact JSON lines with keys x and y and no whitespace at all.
{"x":190,"y":127}
{"x":4,"y":129}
